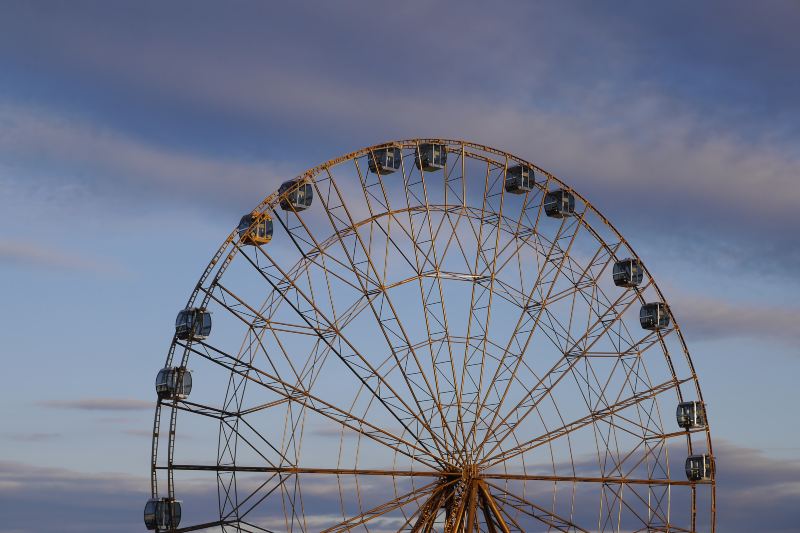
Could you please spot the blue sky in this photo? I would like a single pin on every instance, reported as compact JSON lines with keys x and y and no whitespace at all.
{"x":132,"y":137}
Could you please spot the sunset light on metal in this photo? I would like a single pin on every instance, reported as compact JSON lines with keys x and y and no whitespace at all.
{"x":447,"y":338}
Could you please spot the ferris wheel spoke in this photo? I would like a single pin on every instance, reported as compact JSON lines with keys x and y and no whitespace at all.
{"x":296,"y":471}
{"x":454,"y":241}
{"x":594,"y":385}
{"x":265,"y":440}
{"x":355,"y":361}
{"x":317,"y":253}
{"x":481,"y":299}
{"x":430,"y":284}
{"x":648,"y":428}
{"x":431,"y":295}
{"x":257,"y":325}
{"x":475,"y":275}
{"x":610,"y":480}
{"x":254,"y":499}
{"x":619,"y":502}
{"x":200,"y":409}
{"x":384,"y":508}
{"x":234,"y":514}
{"x":583,"y":288}
{"x":249,"y":527}
{"x":560,"y":369}
{"x":493,"y":512}
{"x":304,"y":398}
{"x":575,"y":425}
{"x":385,"y":315}
{"x":612,"y":425}
{"x":543,"y":515}
{"x":225,"y":418}
{"x":590,"y":384}
{"x":427,"y":513}
{"x":631,"y":362}
{"x":651,"y":450}
{"x":207,"y":525}
{"x":257,"y":321}
{"x":653,"y":504}
{"x":523,"y":235}
{"x":530,"y":322}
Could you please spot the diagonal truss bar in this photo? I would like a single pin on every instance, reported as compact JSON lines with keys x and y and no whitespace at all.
{"x":384,"y":508}
{"x":560,"y":369}
{"x":589,"y":419}
{"x":418,"y":414}
{"x":581,"y":479}
{"x":549,"y":518}
{"x":434,"y":311}
{"x":492,"y":508}
{"x":371,"y":372}
{"x":306,"y":399}
{"x":556,"y":270}
{"x":392,"y":315}
{"x":206,"y":525}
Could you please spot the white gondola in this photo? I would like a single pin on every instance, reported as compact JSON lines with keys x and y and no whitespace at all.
{"x":628,"y":273}
{"x":385,"y":160}
{"x":654,"y":316}
{"x":193,"y":324}
{"x":162,"y":514}
{"x":173,"y":383}
{"x":691,"y":415}
{"x":559,"y":204}
{"x":699,"y":467}
{"x":300,"y":196}
{"x":255,"y":229}
{"x":431,"y":157}
{"x":519,"y":179}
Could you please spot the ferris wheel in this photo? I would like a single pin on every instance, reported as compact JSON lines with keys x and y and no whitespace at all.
{"x":428,"y":335}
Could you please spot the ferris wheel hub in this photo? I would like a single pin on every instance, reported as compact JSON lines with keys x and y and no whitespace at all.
{"x":470,"y":472}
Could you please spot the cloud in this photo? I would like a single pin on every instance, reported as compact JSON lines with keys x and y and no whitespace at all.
{"x":56,"y":148}
{"x":754,"y":493}
{"x":100,"y":404}
{"x":665,"y":135}
{"x":140,"y":433}
{"x":738,"y":66}
{"x":671,"y":175}
{"x":703,"y":318}
{"x":33,"y":437}
{"x":36,"y":499}
{"x":38,"y":255}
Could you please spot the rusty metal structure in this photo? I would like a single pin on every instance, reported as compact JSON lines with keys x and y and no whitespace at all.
{"x":428,"y":336}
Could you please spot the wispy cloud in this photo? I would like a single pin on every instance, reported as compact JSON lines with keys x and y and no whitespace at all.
{"x":58,"y":148}
{"x":138,"y":432}
{"x":638,"y":135}
{"x":30,"y":254}
{"x":714,"y":318}
{"x":756,"y":493}
{"x":99,"y":404}
{"x":33,"y":437}
{"x":69,"y":501}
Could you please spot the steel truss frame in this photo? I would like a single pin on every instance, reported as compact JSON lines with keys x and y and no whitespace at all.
{"x":457,"y":406}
